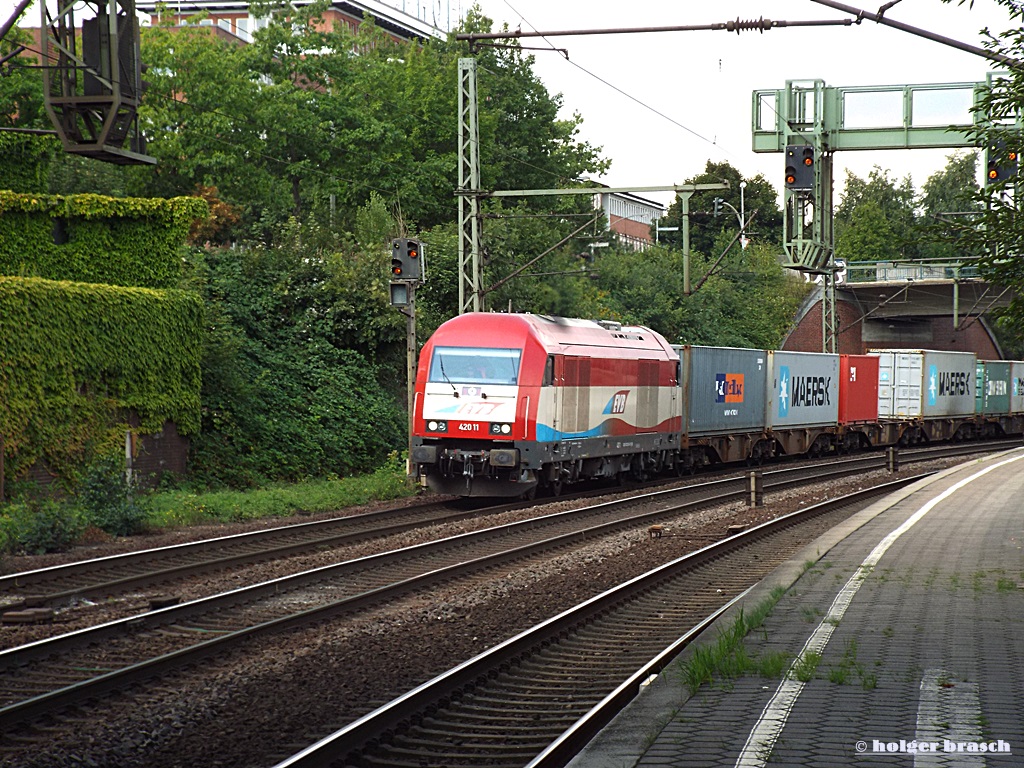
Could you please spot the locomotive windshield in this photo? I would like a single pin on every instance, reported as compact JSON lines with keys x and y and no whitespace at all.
{"x":475,"y":365}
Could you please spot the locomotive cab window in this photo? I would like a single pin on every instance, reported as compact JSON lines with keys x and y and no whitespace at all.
{"x":475,"y":365}
{"x":549,"y":372}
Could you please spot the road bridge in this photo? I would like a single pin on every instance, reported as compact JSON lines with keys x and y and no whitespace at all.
{"x":905,"y":304}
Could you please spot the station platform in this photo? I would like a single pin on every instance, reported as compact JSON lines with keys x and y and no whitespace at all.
{"x":899,"y":642}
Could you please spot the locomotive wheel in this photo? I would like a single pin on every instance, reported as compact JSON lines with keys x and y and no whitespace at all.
{"x":529,"y":495}
{"x":556,"y":487}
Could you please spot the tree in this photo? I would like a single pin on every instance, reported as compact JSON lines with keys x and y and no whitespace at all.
{"x":296,"y":124}
{"x":759,"y":195}
{"x":996,"y":235}
{"x":886,"y":228}
{"x":301,"y":349}
{"x":948,"y":196}
{"x":868,"y":235}
{"x":21,"y":85}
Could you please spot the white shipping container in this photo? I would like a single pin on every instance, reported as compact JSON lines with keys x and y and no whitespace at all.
{"x":915,"y":383}
{"x":899,"y":384}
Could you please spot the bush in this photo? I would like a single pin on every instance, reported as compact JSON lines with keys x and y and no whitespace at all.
{"x":38,"y":527}
{"x":109,"y":501}
{"x":188,"y":507}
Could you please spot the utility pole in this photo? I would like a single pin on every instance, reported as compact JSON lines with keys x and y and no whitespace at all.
{"x":470,"y":281}
{"x":410,"y":369}
{"x":93,"y":87}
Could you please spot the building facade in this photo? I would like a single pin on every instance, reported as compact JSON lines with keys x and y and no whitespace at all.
{"x":630,"y":217}
{"x":234,"y":17}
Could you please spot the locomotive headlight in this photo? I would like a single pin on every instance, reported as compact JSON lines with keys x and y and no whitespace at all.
{"x":437,"y":426}
{"x":501,"y":429}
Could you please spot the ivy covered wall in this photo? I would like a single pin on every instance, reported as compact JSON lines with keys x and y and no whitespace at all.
{"x":26,"y":160}
{"x":95,"y":239}
{"x":76,"y":358}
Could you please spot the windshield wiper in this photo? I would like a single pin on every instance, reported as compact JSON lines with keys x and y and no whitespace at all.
{"x":440,"y":360}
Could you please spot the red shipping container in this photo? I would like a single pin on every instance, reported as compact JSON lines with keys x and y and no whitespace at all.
{"x":858,"y":388}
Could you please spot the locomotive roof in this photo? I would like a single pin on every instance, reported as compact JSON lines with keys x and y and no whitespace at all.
{"x":555,"y":334}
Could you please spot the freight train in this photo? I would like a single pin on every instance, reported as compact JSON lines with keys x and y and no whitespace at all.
{"x":506,"y":404}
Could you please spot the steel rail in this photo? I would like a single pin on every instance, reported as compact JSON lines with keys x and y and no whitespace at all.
{"x":133,"y":570}
{"x":192,"y":557}
{"x":27,"y":709}
{"x":397,"y":714}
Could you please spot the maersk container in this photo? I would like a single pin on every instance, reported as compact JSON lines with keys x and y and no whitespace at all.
{"x":858,"y":389}
{"x":725,"y":389}
{"x":804,"y":389}
{"x":993,"y":387}
{"x":1017,"y":386}
{"x":916,"y":383}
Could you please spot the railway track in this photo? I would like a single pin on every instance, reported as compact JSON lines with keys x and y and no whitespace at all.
{"x":119,"y":574}
{"x":134,"y":570}
{"x":50,"y":675}
{"x":537,"y":698}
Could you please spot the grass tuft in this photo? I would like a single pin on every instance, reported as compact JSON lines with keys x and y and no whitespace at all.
{"x":726,"y":658}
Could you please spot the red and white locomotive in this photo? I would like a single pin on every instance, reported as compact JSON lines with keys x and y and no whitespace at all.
{"x":509,"y":402}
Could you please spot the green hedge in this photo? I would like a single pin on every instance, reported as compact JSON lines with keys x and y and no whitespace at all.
{"x":96,"y":239}
{"x":75,"y":358}
{"x":26,"y":160}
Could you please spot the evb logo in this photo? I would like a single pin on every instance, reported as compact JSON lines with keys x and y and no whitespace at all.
{"x":618,"y":402}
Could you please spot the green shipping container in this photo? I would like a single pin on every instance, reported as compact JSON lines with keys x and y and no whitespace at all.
{"x":994,"y":387}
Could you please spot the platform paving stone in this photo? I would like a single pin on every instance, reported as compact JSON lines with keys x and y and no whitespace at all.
{"x":944,"y":604}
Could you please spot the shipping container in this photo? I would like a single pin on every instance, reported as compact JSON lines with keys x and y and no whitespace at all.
{"x":804,"y":389}
{"x":1017,"y":386}
{"x":916,"y":383}
{"x":993,"y":387}
{"x":725,"y":389}
{"x":858,"y":389}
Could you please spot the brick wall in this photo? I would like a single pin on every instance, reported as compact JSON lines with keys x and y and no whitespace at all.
{"x":163,"y":451}
{"x":857,"y":335}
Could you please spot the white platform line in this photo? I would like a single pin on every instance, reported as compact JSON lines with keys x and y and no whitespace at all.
{"x":766,"y":730}
{"x":949,"y":708}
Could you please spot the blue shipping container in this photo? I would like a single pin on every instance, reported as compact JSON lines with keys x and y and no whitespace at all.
{"x":724,"y":389}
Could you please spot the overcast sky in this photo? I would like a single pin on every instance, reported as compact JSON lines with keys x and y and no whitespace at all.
{"x":702,"y":81}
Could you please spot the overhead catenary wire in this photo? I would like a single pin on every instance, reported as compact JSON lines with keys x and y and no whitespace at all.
{"x":544,"y":35}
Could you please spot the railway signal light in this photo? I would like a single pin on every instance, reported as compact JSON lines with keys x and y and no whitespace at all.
{"x":800,"y":167}
{"x":1001,"y":162}
{"x":406,"y":259}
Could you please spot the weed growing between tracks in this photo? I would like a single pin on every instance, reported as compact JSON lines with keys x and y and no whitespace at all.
{"x":726,"y":658}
